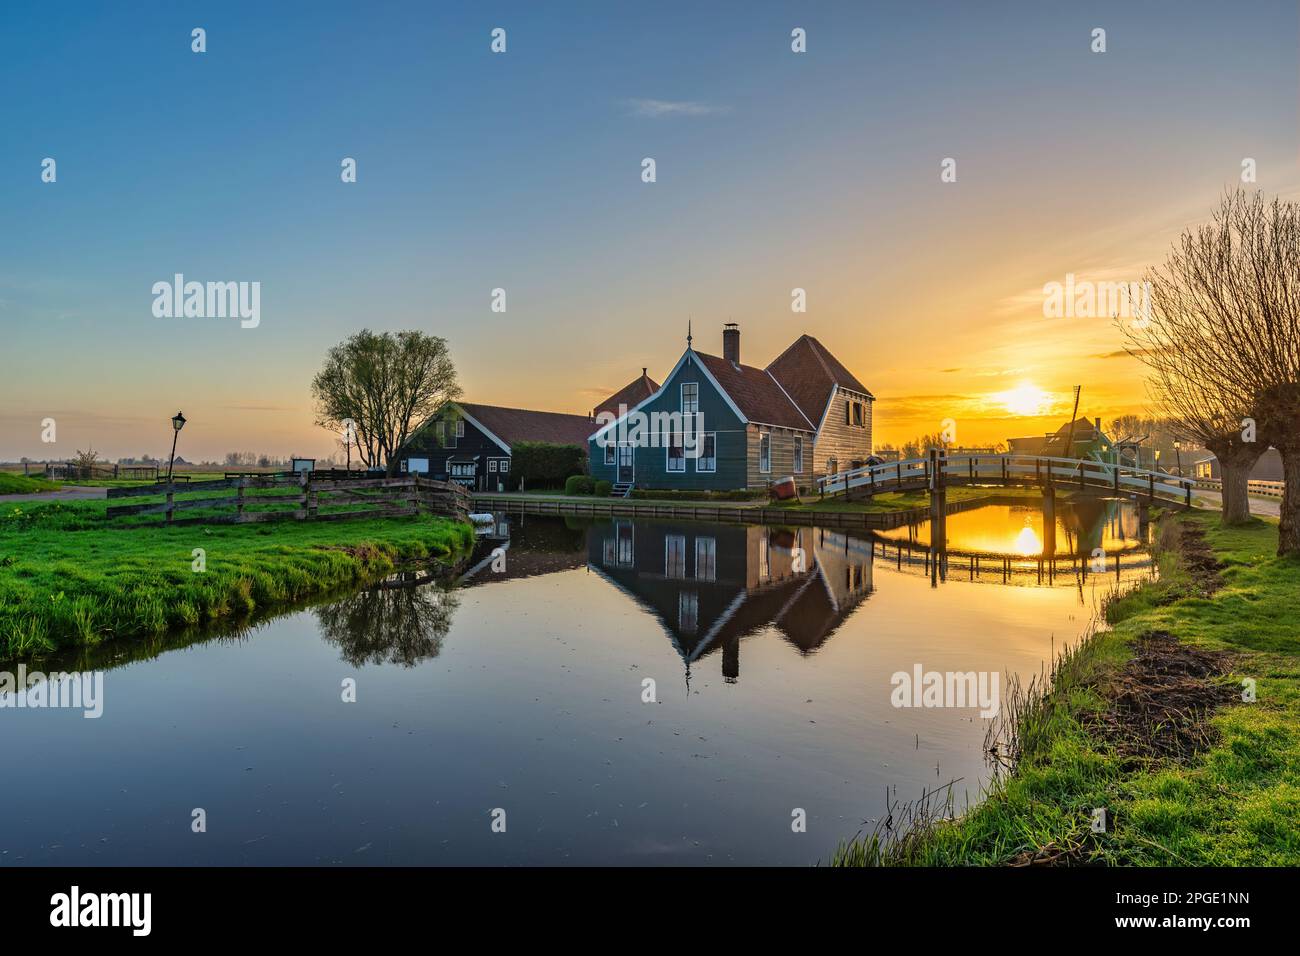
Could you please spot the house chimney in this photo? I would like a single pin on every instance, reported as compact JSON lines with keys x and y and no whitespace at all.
{"x":1097,"y":424}
{"x":731,"y":343}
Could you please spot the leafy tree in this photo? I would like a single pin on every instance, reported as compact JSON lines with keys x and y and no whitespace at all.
{"x":377,"y":387}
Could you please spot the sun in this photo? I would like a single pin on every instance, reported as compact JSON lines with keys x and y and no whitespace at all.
{"x":1025,"y":399}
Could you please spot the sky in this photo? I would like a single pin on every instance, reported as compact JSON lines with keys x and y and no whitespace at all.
{"x":522,"y":170}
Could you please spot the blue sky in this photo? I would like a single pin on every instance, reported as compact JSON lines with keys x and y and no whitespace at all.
{"x":521,"y":171}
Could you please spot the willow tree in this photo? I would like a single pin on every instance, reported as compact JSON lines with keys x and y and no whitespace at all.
{"x":376,"y":388}
{"x":1223,"y":339}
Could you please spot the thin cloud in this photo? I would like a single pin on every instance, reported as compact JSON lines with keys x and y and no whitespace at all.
{"x":658,"y":109}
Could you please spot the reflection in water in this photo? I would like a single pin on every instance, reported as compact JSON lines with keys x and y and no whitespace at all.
{"x":539,"y":698}
{"x":402,"y":620}
{"x":711,"y":585}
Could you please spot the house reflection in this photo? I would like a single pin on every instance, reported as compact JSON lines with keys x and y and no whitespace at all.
{"x":711,"y":585}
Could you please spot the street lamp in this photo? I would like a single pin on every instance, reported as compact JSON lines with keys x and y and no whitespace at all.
{"x":1178,"y":451}
{"x":178,"y":422}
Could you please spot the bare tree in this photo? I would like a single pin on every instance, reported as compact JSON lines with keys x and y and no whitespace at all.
{"x":384,"y":384}
{"x":1223,"y":342}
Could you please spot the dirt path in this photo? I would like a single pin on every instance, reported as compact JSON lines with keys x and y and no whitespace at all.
{"x":70,"y":493}
{"x":1258,"y":506}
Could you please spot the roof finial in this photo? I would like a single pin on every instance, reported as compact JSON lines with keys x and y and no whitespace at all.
{"x":688,"y":331}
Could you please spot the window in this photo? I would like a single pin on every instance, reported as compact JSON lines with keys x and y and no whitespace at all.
{"x":440,"y":430}
{"x":460,"y":428}
{"x":676,"y":453}
{"x":706,"y":559}
{"x":857,"y":413}
{"x":492,"y":464}
{"x":765,"y":453}
{"x":625,"y":534}
{"x":609,"y":454}
{"x":505,"y":465}
{"x":688,"y":612}
{"x":848,"y":412}
{"x":798,"y":454}
{"x":708,"y":460}
{"x":675,"y":556}
{"x":403,"y":466}
{"x":690,"y":398}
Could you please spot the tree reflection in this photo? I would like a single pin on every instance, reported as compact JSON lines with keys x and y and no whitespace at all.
{"x":402,"y":620}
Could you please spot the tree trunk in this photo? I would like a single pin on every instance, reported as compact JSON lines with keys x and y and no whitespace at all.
{"x":1288,"y":530}
{"x":1236,"y":500}
{"x":1236,"y":458}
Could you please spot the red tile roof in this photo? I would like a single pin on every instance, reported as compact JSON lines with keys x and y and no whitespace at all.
{"x":521,"y":424}
{"x":756,"y":393}
{"x":808,"y":371}
{"x":630,"y":395}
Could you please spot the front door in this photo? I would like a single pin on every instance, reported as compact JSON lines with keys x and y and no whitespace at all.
{"x":625,"y":470}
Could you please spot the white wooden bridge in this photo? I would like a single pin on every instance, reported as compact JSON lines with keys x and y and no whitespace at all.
{"x":940,"y":471}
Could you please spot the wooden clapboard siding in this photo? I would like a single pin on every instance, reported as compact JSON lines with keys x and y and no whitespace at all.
{"x":782,"y":456}
{"x":836,"y":439}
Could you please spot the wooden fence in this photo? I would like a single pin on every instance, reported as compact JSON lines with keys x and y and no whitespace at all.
{"x":71,"y":471}
{"x":298,"y":497}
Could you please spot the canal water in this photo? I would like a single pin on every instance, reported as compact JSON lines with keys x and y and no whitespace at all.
{"x":583,"y":692}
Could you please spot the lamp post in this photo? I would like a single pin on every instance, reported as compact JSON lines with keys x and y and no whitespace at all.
{"x":178,"y":422}
{"x":1178,"y":451}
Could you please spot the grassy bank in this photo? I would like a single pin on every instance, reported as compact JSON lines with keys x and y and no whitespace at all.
{"x":1146,"y":720}
{"x":69,"y":576}
{"x":11,"y":484}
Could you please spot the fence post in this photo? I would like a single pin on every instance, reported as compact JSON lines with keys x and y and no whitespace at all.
{"x":171,"y":502}
{"x":239,"y":505}
{"x":1151,"y":488}
{"x":310,"y":503}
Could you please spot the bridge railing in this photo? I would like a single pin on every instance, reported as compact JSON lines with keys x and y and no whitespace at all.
{"x":1010,"y":469}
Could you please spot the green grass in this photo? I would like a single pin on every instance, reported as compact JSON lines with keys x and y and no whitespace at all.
{"x":71,"y":577}
{"x":11,"y":484}
{"x":1235,"y":803}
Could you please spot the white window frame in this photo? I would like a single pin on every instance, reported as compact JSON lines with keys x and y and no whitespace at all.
{"x":404,"y":461}
{"x":699,"y":462}
{"x":688,"y":611}
{"x":675,"y":440}
{"x":706,"y":548}
{"x":669,"y":541}
{"x":492,"y":464}
{"x":764,"y":437}
{"x":798,"y":454}
{"x":460,"y":428}
{"x":503,"y":466}
{"x":695,"y":404}
{"x":611,"y":454}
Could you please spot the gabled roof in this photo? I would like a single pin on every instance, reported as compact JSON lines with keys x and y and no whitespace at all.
{"x":636,"y":391}
{"x":809,"y":373}
{"x":757,"y":394}
{"x":510,"y":425}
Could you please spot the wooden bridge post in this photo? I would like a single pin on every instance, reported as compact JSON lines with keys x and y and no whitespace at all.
{"x":1151,"y":488}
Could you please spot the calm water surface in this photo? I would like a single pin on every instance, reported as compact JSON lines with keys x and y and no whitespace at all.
{"x":521,"y":689}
